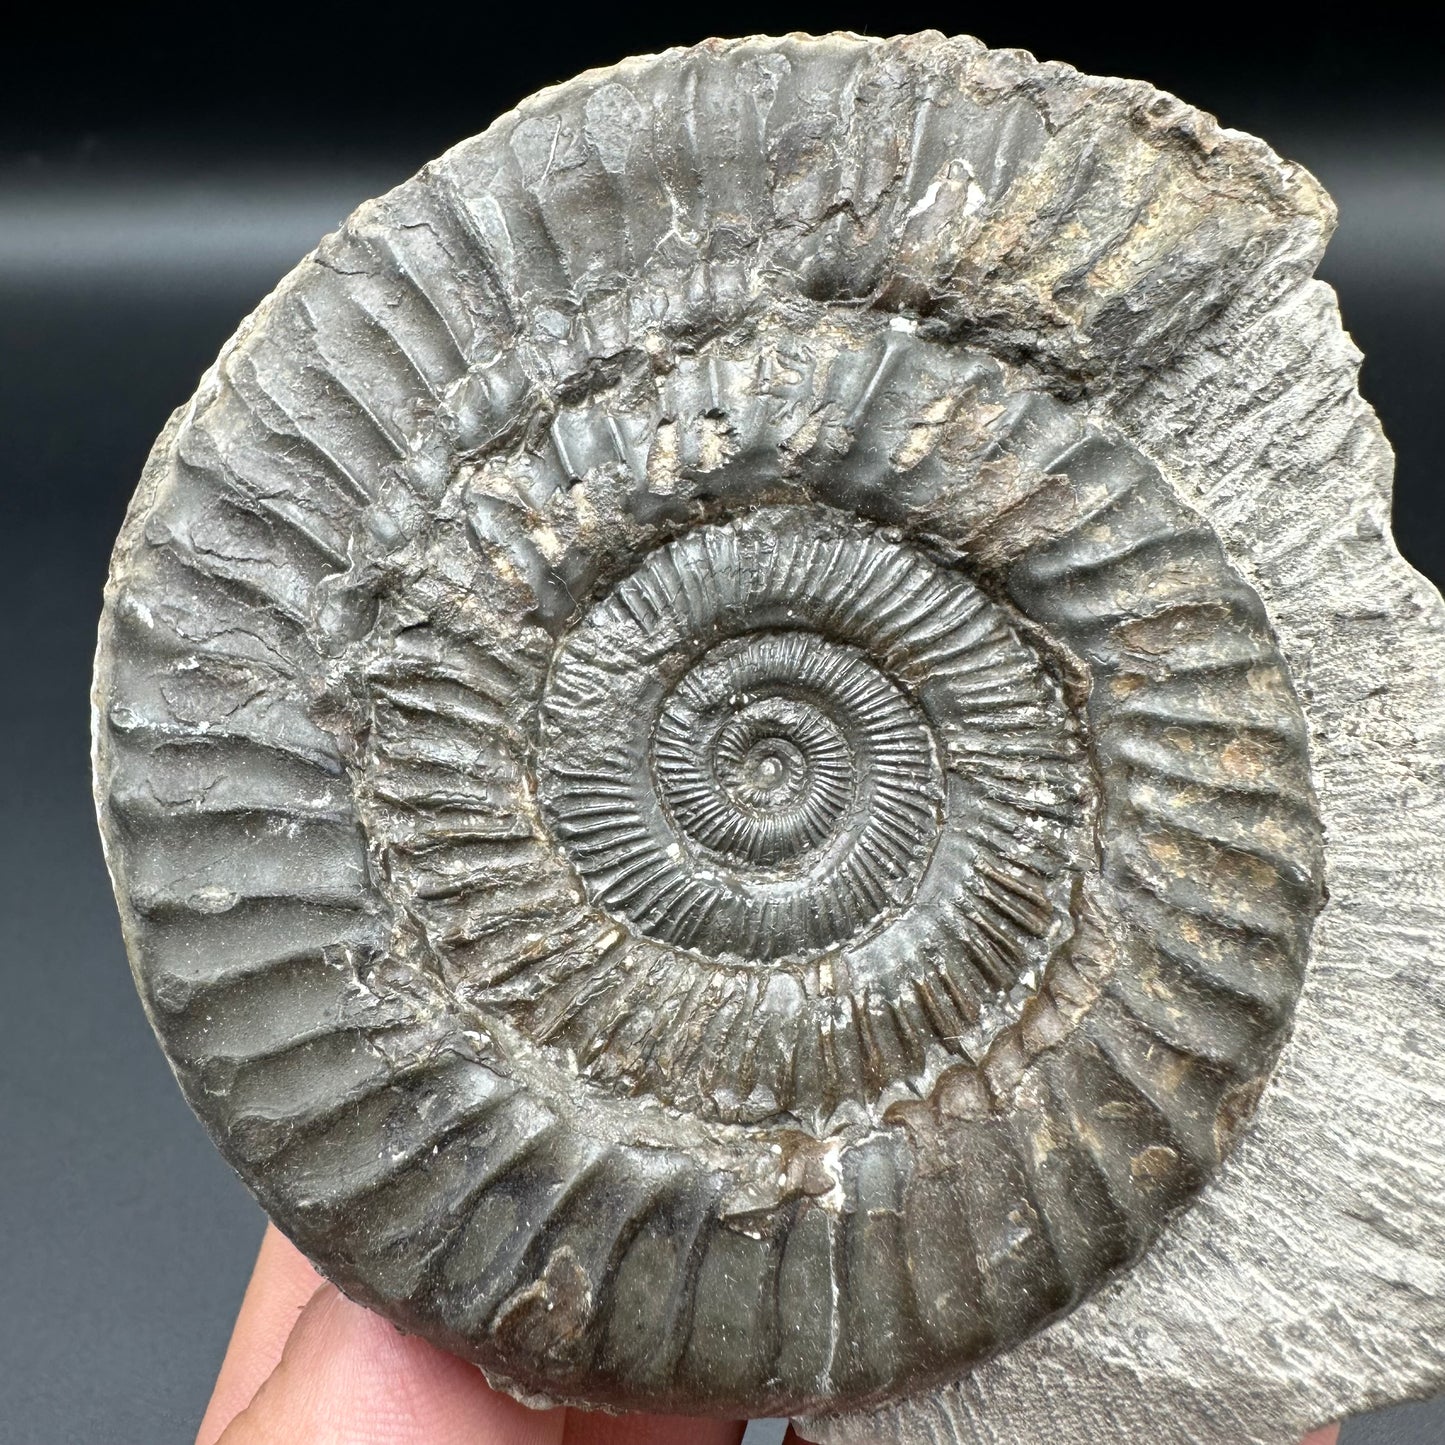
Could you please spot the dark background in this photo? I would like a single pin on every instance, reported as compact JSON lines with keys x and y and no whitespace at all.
{"x":158,"y":173}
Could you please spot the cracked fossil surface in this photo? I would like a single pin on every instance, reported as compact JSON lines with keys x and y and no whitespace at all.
{"x":722,"y":734}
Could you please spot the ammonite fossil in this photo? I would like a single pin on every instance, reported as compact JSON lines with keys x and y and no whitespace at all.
{"x":701,"y":725}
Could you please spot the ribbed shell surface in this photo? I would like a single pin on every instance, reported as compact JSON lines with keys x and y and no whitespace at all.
{"x":699,"y":823}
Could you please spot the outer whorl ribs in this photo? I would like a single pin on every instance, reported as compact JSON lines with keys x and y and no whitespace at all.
{"x":699,"y":838}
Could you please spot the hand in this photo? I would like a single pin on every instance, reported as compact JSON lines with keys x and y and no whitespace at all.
{"x":305,"y":1366}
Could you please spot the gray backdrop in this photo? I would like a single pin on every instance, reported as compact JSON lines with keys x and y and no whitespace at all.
{"x":152,"y":186}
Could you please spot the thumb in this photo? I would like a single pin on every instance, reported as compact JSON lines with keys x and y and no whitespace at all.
{"x":347,"y":1377}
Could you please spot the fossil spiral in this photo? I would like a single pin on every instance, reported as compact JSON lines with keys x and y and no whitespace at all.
{"x":698,"y":821}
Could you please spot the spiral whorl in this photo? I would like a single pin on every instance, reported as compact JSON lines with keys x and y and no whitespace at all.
{"x":673,"y":776}
{"x":726,"y":766}
{"x":748,"y":750}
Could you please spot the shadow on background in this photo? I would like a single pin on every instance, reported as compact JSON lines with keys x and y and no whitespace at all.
{"x":153,"y":186}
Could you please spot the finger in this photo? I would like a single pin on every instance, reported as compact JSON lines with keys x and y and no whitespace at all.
{"x":587,"y":1428}
{"x":347,"y":1377}
{"x":281,"y":1283}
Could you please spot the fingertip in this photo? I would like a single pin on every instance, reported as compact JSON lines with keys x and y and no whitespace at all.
{"x":281,"y":1283}
{"x":348,"y":1375}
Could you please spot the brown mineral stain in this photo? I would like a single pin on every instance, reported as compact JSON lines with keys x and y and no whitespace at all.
{"x":1154,"y":1165}
{"x":1243,"y":758}
{"x":550,"y":1314}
